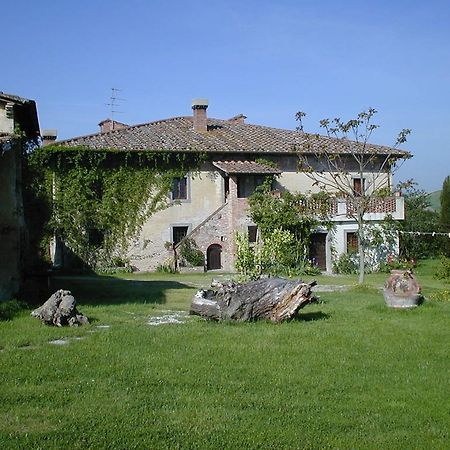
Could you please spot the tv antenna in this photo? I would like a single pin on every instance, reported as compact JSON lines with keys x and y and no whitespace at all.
{"x":114,"y":104}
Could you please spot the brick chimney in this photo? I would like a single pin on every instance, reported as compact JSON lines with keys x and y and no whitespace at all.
{"x":239,"y":119}
{"x":48,"y":137}
{"x":109,"y":125}
{"x":199,"y":106}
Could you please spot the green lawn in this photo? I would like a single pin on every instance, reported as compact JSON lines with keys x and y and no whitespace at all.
{"x":349,"y":373}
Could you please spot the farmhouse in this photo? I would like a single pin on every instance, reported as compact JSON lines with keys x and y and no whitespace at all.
{"x":211,"y":204}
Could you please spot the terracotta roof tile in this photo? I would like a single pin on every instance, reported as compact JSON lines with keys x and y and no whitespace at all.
{"x":244,"y":167}
{"x":223,"y":136}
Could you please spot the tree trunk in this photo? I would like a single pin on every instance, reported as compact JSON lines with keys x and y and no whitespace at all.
{"x":273,"y":299}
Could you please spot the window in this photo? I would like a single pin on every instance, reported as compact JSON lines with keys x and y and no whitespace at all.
{"x":178,"y":233}
{"x":246,"y":184}
{"x":179,"y":188}
{"x":352,"y":242}
{"x":358,"y":185}
{"x":252,"y":233}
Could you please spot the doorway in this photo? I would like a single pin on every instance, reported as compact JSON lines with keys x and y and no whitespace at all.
{"x":317,"y":250}
{"x":214,"y":257}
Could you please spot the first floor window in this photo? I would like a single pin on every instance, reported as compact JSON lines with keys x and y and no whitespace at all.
{"x":358,"y":186}
{"x":179,"y":188}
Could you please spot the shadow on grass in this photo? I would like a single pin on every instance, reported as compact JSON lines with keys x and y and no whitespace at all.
{"x":309,"y":317}
{"x":106,"y":290}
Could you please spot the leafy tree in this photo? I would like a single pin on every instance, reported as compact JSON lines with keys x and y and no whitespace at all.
{"x":419,"y":218}
{"x":445,"y":205}
{"x":445,"y":213}
{"x":285,"y":223}
{"x":332,"y":169}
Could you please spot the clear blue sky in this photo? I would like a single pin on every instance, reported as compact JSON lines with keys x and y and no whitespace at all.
{"x":265,"y":59}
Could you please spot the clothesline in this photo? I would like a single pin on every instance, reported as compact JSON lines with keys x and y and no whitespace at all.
{"x":425,"y":233}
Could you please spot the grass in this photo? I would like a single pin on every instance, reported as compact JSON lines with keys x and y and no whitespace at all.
{"x":348,"y":373}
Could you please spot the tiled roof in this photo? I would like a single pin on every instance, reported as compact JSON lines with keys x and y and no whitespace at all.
{"x":223,"y":136}
{"x":244,"y":167}
{"x":13,"y":98}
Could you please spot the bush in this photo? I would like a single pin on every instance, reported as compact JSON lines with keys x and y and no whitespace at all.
{"x":9,"y":309}
{"x":346,"y":264}
{"x":191,"y":253}
{"x":393,"y":264}
{"x":443,"y":272}
{"x":166,"y":268}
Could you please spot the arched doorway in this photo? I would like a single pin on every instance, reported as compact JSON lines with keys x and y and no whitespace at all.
{"x":214,"y":257}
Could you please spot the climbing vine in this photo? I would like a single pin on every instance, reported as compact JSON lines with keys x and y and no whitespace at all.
{"x":100,"y":199}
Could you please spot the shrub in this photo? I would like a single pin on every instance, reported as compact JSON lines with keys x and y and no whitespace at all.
{"x":443,"y":272}
{"x":166,"y":267}
{"x":9,"y":309}
{"x":346,"y":264}
{"x":191,"y":253}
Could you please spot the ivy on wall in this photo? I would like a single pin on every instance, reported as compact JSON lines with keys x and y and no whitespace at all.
{"x":100,"y":199}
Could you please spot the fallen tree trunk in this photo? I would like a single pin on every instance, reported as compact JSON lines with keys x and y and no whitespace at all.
{"x":273,"y":299}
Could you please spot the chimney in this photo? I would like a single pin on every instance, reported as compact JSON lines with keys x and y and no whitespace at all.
{"x":239,"y":119}
{"x":49,"y":136}
{"x":110,"y":124}
{"x":199,"y":106}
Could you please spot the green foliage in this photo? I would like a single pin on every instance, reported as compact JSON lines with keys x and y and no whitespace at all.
{"x":347,"y":263}
{"x":285,"y":224}
{"x":394,"y":263}
{"x":248,"y":257}
{"x":9,"y":309}
{"x":190,"y":252}
{"x":445,"y":205}
{"x":101,"y":198}
{"x":443,"y":271}
{"x":167,"y":267}
{"x":418,"y":218}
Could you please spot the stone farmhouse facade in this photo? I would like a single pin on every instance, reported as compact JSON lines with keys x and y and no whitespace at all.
{"x":211,"y":205}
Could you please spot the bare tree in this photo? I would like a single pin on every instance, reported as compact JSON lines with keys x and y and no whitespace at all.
{"x":346,"y":164}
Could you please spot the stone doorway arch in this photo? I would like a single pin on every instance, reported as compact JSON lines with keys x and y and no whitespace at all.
{"x":214,"y":257}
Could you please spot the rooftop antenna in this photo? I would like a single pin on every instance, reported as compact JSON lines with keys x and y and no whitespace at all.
{"x":114,"y":104}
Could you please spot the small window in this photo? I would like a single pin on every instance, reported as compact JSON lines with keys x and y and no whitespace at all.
{"x":352,"y":242}
{"x":358,"y":185}
{"x":179,"y":188}
{"x":178,"y":233}
{"x":252,"y":232}
{"x":96,"y":237}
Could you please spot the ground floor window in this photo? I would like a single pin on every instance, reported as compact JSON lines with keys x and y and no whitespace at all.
{"x":252,"y":233}
{"x":178,"y":233}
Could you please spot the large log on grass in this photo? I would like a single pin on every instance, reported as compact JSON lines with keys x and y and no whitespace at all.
{"x":273,"y":299}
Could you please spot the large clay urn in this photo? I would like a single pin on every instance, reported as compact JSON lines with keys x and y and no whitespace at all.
{"x":401,"y":290}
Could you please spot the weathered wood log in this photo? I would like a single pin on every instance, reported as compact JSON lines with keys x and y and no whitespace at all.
{"x":60,"y":309}
{"x":273,"y":299}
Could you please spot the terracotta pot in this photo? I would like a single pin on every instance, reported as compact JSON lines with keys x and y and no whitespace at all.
{"x":401,"y":290}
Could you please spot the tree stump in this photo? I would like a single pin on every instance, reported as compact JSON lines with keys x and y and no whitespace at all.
{"x":60,"y":309}
{"x":273,"y":299}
